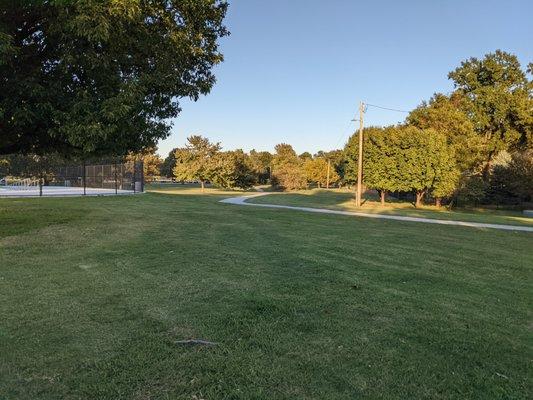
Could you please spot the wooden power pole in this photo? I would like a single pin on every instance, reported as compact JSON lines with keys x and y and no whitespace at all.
{"x":360,"y":159}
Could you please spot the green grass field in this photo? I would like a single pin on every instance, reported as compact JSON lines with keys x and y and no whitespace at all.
{"x":94,"y":293}
{"x":343,"y":199}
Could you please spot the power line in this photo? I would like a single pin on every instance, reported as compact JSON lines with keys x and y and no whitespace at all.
{"x":343,"y":135}
{"x":387,"y":108}
{"x":347,"y":130}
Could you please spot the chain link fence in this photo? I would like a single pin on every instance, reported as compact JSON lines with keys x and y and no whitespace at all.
{"x":50,"y":176}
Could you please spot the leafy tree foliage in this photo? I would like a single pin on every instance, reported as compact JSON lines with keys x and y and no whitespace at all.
{"x":197,"y":160}
{"x":447,"y":174}
{"x":232,"y":170}
{"x":381,"y":168}
{"x":261,"y":164}
{"x":498,"y":101}
{"x":151,"y":162}
{"x":287,"y":171}
{"x":404,"y":158}
{"x":426,"y":162}
{"x":101,"y":76}
{"x":447,"y":115}
{"x":305,"y":156}
{"x":336,"y":157}
{"x":203,"y":161}
{"x":472,"y":189}
{"x":284,"y":154}
{"x":488,"y":114}
{"x":465,"y":132}
{"x":167,"y":167}
{"x":512,"y":182}
{"x":316,"y":171}
{"x":30,"y":166}
{"x":289,"y":177}
{"x":351,"y":152}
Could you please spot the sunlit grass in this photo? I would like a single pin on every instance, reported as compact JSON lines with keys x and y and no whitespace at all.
{"x":343,"y":199}
{"x":191,"y":189}
{"x":95,"y":292}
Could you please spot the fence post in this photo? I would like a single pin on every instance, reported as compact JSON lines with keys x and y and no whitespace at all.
{"x":116,"y":183}
{"x":134,"y":179}
{"x":142,"y":175}
{"x":40,"y":160}
{"x":83,"y":177}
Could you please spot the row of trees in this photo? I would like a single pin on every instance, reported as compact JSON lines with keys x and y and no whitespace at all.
{"x":473,"y":145}
{"x":203,"y":161}
{"x":470,"y":146}
{"x":290,"y":171}
{"x":404,"y":159}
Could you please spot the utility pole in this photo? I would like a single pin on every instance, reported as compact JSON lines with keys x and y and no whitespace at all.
{"x":360,"y":159}
{"x":327,"y":178}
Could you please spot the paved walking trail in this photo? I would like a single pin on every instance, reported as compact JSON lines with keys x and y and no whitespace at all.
{"x":241,"y":201}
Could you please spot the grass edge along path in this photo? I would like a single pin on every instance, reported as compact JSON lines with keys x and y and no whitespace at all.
{"x":242,"y":200}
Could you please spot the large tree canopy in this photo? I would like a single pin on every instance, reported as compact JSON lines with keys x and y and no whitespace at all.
{"x":446,"y":114}
{"x":319,"y":170}
{"x":287,"y":172}
{"x":197,"y":160}
{"x":101,"y":76}
{"x":260,"y":163}
{"x":232,"y":170}
{"x":498,"y":101}
{"x":404,"y":158}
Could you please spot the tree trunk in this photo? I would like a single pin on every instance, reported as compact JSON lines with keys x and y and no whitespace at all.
{"x":488,"y":166}
{"x":382,"y":194}
{"x":203,"y":185}
{"x":419,"y":196}
{"x":437,"y":201}
{"x":327,"y":180}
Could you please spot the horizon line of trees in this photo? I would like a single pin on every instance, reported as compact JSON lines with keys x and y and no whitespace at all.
{"x":472,"y":146}
{"x":202,"y":161}
{"x":401,"y":160}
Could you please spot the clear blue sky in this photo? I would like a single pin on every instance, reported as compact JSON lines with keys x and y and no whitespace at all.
{"x":295,"y":70}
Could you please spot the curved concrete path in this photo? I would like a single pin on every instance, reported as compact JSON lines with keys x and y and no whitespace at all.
{"x":241,"y":200}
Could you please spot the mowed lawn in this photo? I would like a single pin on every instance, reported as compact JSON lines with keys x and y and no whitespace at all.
{"x":344,"y":199}
{"x":95,"y":292}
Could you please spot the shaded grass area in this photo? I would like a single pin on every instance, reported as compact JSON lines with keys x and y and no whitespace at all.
{"x":94,"y":292}
{"x":342,"y":199}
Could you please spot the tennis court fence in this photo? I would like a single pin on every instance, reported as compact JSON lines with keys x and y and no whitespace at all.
{"x":38,"y":176}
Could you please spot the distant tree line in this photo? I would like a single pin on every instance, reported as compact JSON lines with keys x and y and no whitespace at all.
{"x":472,"y":146}
{"x":469,"y":147}
{"x":203,"y":161}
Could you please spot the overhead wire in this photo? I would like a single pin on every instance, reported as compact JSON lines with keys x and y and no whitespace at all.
{"x":387,"y":108}
{"x":346,"y":131}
